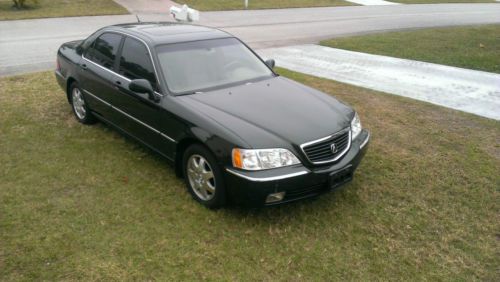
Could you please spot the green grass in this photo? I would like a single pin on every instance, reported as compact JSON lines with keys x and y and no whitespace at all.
{"x":220,"y":5}
{"x":475,"y":47}
{"x":441,"y":1}
{"x":60,"y":8}
{"x":83,"y":202}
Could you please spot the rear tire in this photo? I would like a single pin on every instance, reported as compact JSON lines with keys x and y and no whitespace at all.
{"x":78,"y":104}
{"x":204,"y":177}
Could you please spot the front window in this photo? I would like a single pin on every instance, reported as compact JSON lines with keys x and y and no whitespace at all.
{"x":209,"y":64}
{"x":135,"y":62}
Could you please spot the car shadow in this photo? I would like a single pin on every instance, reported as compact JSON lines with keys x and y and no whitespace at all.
{"x":328,"y":201}
{"x":346,"y":195}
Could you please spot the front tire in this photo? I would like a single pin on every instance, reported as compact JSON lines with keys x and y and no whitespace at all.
{"x":79,"y":106}
{"x":203,"y":177}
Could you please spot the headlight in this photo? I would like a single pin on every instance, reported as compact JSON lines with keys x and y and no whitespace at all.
{"x":355,"y":126}
{"x":260,"y":159}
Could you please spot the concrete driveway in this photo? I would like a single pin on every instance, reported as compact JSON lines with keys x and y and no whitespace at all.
{"x":30,"y":45}
{"x":471,"y":91}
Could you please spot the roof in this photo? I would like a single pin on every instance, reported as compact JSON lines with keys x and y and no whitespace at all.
{"x":158,"y":33}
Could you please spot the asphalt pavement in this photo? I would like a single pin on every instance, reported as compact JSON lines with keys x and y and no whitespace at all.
{"x":31,"y":45}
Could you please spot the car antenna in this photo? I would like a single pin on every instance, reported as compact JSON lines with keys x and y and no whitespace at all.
{"x":137,"y":17}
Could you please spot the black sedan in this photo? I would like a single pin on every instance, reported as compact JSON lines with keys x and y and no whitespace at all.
{"x":234,"y":129}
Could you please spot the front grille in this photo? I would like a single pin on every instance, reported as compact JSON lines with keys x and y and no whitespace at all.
{"x":320,"y":151}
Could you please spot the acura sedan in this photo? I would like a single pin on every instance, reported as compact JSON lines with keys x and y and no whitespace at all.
{"x":236,"y":131}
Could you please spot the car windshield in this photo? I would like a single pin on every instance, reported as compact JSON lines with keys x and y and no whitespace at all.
{"x":209,"y":64}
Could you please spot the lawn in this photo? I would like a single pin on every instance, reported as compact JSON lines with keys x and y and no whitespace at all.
{"x":219,"y":5}
{"x":84,"y":203}
{"x":60,"y":8}
{"x":441,"y":1}
{"x":473,"y":47}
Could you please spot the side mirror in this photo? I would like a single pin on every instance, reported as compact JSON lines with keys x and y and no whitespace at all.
{"x":143,"y":86}
{"x":271,"y":63}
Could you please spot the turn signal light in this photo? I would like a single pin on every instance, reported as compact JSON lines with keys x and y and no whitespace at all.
{"x":237,"y":162}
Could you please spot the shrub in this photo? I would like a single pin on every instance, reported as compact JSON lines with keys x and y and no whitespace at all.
{"x":21,"y":4}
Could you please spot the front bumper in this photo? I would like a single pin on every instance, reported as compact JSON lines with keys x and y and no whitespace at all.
{"x":251,"y":188}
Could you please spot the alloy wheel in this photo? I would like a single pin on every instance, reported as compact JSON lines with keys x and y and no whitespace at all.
{"x":78,"y":103}
{"x":201,"y":177}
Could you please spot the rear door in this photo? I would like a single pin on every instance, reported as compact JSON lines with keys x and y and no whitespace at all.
{"x":141,"y":116}
{"x":98,"y":68}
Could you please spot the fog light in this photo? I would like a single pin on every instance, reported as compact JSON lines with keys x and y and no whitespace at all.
{"x":275,"y":197}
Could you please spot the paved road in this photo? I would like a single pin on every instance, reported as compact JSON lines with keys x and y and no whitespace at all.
{"x":373,"y":2}
{"x":30,"y":45}
{"x":470,"y":91}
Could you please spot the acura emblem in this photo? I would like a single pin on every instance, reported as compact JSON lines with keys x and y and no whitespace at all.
{"x":333,"y":147}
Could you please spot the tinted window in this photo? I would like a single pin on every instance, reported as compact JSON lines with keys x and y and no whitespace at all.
{"x":104,"y":49}
{"x":135,"y":61}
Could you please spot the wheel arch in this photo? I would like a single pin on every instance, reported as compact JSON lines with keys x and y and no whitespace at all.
{"x":213,"y":146}
{"x":69,"y":81}
{"x":179,"y":153}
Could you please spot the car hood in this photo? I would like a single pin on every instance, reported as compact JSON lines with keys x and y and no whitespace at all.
{"x":272,"y":111}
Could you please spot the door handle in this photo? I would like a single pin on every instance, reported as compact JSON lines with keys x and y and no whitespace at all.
{"x":119,"y":85}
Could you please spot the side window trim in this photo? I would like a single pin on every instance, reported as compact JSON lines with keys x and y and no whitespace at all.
{"x":116,"y":66}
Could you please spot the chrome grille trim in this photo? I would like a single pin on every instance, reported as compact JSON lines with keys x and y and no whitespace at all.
{"x":264,"y":179}
{"x":337,"y":157}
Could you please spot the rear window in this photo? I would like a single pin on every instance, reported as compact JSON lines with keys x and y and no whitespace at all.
{"x":103,"y":50}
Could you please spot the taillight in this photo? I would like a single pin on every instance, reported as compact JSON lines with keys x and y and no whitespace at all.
{"x":58,"y":65}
